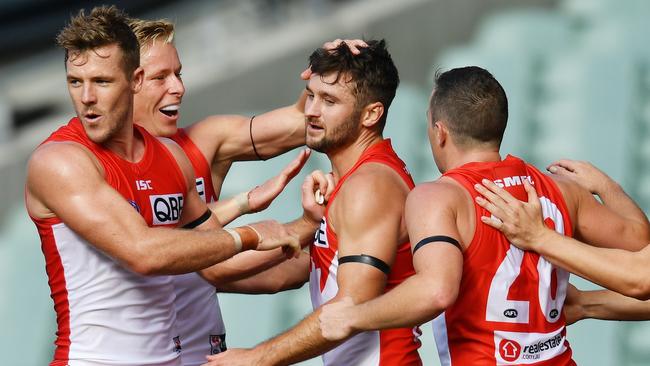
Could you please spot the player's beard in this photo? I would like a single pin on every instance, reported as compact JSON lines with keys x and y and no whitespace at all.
{"x":339,"y":136}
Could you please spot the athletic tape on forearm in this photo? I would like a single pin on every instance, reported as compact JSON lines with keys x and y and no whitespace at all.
{"x":241,"y":200}
{"x":237,"y":238}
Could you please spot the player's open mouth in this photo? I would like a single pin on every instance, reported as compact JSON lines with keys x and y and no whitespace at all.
{"x":170,"y":110}
{"x":314,"y":126}
{"x":92,"y":117}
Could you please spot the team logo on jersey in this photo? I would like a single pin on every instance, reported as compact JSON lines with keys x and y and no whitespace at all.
{"x":177,"y":344}
{"x":166,"y":208}
{"x":135,"y":205}
{"x":217,"y":343}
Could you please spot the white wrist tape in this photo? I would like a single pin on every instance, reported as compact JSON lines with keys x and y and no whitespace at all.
{"x":241,"y":200}
{"x":236,"y":237}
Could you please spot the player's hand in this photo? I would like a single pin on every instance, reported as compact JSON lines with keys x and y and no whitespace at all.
{"x":355,"y":46}
{"x":573,"y":310}
{"x":261,"y":196}
{"x":583,"y":173}
{"x":521,"y":222}
{"x":315,"y":182}
{"x":234,"y":357}
{"x":336,"y":319}
{"x":272,"y":235}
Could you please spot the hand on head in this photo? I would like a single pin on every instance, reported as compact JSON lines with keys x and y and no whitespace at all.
{"x":355,"y":46}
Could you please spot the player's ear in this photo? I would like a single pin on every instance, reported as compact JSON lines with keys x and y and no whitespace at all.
{"x":440,"y":133}
{"x":371,"y":114}
{"x":136,"y":79}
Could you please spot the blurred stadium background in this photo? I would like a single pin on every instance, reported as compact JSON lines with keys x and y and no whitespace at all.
{"x":577,"y":74}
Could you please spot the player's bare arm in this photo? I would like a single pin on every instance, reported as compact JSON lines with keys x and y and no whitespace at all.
{"x":603,"y":305}
{"x":438,"y":267}
{"x":64,"y":180}
{"x":230,"y":137}
{"x":364,"y":225}
{"x":619,"y":270}
{"x":597,"y":182}
{"x":288,"y":275}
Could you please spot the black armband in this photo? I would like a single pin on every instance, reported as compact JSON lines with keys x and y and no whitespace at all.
{"x":203,"y":218}
{"x":366,"y":259}
{"x":437,"y":238}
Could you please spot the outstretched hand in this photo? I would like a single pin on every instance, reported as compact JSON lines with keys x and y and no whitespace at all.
{"x":521,"y":222}
{"x":260,"y":197}
{"x":354,"y":44}
{"x":583,"y":173}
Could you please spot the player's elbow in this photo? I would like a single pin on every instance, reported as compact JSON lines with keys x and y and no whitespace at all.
{"x":145,"y":267}
{"x":440,"y":298}
{"x":638,"y":288}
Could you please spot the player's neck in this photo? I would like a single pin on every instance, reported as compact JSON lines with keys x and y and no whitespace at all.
{"x":470,"y":156}
{"x":344,"y":159}
{"x":127,"y":144}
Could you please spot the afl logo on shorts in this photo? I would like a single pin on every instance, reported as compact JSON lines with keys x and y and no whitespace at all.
{"x":166,"y":208}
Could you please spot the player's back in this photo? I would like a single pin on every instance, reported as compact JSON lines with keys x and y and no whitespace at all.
{"x":509,"y":307}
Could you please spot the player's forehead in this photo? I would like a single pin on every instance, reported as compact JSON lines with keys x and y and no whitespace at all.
{"x":332,"y":83}
{"x":100,"y":60}
{"x":159,"y":55}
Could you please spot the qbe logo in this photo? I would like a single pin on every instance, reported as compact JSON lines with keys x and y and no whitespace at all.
{"x":509,"y":350}
{"x":166,"y":208}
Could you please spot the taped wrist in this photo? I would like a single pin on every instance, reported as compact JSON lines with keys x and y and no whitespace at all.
{"x":245,"y":238}
{"x":241,"y":200}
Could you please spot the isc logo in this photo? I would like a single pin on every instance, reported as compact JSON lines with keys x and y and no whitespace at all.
{"x":166,"y":208}
{"x":143,"y":185}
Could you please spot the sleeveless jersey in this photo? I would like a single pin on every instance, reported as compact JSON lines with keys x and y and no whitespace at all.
{"x":509,"y":307}
{"x":198,"y":315}
{"x":386,"y":347}
{"x":106,"y":314}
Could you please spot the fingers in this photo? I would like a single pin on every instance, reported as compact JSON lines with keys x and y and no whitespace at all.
{"x":566,"y":164}
{"x":306,"y":74}
{"x":354,"y":45}
{"x":532,"y":193}
{"x":502,"y":193}
{"x":496,"y":212}
{"x":296,"y":165}
{"x":331,"y":184}
{"x":491,"y":202}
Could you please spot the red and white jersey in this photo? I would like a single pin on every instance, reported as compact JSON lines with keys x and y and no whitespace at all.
{"x":509,"y":308}
{"x":198,"y":315}
{"x":376,"y":348}
{"x":106,"y":314}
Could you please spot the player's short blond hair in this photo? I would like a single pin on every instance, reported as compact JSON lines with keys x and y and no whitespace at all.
{"x":149,"y":31}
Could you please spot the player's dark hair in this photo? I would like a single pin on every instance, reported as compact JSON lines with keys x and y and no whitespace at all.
{"x":472,"y":103}
{"x":372,"y":72}
{"x":104,"y":26}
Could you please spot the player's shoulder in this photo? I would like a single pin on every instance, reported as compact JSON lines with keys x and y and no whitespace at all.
{"x":441,"y":192}
{"x":374,"y":179}
{"x":60,"y":155}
